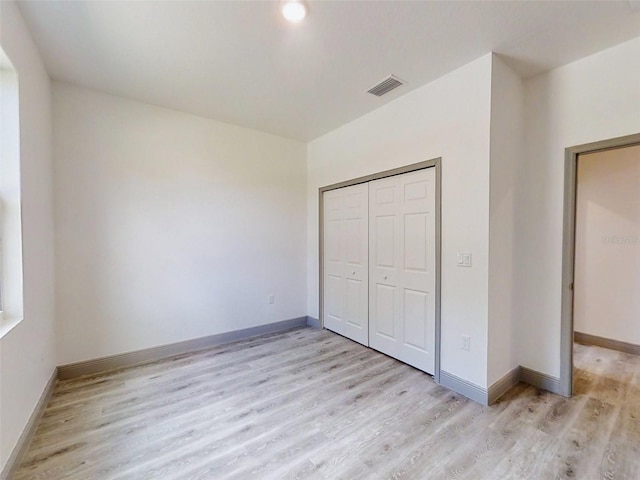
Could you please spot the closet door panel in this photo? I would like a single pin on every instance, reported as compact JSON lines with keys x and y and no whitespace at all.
{"x":402,"y":267}
{"x":418,"y":274}
{"x":332,"y":242}
{"x":346,"y":262}
{"x":384,"y":254}
{"x":333,"y":305}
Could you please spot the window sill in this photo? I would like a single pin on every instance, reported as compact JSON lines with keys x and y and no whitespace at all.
{"x":7,"y":324}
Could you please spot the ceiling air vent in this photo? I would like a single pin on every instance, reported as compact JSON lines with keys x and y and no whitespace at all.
{"x":385,"y":86}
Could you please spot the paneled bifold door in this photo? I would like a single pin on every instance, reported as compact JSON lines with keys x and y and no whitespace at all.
{"x":379,"y":265}
{"x":402,"y":265}
{"x":346,"y":257}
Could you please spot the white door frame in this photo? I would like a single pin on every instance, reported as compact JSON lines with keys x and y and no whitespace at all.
{"x":568,"y":249}
{"x":433,"y":163}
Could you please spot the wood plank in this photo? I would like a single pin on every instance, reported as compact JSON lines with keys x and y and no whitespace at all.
{"x":309,"y":404}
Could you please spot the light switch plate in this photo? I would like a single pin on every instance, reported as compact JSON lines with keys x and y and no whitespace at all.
{"x":464,"y":259}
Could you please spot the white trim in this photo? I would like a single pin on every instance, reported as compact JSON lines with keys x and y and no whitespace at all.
{"x":8,"y":324}
{"x":11,"y":249}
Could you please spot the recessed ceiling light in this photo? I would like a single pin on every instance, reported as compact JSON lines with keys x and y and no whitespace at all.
{"x":294,"y":10}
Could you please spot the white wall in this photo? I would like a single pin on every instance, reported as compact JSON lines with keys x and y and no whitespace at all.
{"x":607,"y":272}
{"x":27,"y":352}
{"x":170,"y":226}
{"x":447,"y":118}
{"x":593,"y":99}
{"x":507,"y":144}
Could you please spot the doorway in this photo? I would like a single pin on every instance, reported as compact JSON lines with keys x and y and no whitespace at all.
{"x":569,"y":270}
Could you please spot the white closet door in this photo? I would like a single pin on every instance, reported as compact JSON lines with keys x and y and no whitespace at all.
{"x":346,"y":262}
{"x":402,"y":267}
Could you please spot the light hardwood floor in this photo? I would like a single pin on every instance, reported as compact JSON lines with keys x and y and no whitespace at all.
{"x":310,"y":404}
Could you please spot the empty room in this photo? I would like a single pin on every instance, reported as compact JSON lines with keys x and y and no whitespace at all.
{"x":319,"y":239}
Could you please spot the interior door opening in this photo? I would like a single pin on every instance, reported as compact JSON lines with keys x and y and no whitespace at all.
{"x":601,"y":258}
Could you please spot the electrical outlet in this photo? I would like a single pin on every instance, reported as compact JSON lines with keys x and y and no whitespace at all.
{"x":272,"y":299}
{"x":466,"y":342}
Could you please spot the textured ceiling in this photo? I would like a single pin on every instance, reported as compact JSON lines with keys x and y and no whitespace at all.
{"x":240,"y":62}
